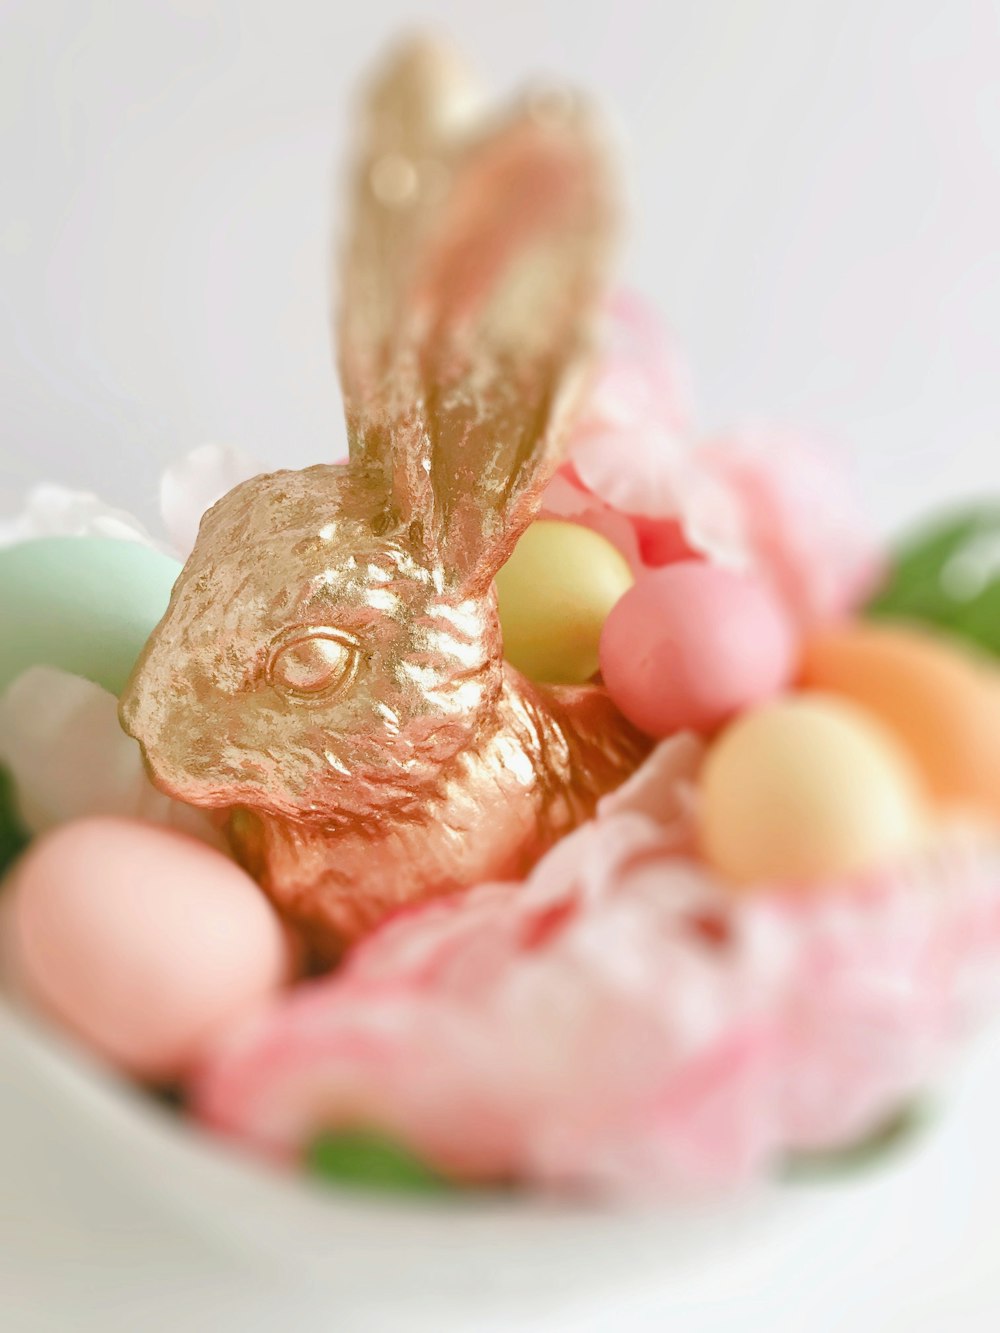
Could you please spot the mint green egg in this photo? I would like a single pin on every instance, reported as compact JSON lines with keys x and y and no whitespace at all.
{"x":83,"y":604}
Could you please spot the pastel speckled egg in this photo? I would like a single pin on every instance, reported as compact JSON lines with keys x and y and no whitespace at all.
{"x":140,"y":940}
{"x":691,"y":644}
{"x":939,"y":698}
{"x":803,"y":788}
{"x":83,"y":604}
{"x":554,"y":595}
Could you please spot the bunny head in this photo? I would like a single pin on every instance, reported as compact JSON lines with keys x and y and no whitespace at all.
{"x":332,"y":642}
{"x":311,"y":661}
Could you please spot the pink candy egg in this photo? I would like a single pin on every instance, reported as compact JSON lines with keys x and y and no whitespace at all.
{"x":691,"y":644}
{"x":140,"y":940}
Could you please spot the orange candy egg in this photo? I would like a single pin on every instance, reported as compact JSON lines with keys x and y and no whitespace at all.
{"x":939,"y":699}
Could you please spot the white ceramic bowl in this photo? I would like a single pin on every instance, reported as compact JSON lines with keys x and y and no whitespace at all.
{"x":512,"y":1253}
{"x":517,"y":1262}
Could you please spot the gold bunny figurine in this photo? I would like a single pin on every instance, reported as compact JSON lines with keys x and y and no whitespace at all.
{"x":330,"y":668}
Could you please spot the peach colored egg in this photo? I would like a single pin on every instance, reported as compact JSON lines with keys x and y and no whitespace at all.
{"x":940,"y":699}
{"x":141,"y":940}
{"x":805,"y":788}
{"x":691,"y":644}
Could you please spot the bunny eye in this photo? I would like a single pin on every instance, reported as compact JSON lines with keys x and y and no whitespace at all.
{"x":312,"y":662}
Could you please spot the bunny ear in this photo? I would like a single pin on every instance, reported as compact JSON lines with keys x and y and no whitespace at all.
{"x":412,"y":122}
{"x":464,"y":405}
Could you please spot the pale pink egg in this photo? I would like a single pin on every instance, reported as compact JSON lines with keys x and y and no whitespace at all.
{"x":692,"y":644}
{"x":142,"y":941}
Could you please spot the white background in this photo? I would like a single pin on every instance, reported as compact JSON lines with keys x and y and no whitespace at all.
{"x":815,"y":209}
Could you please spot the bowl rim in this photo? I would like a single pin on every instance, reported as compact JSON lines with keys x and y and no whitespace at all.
{"x":258,"y":1201}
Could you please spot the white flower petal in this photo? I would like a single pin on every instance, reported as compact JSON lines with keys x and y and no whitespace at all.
{"x":193,"y":484}
{"x":55,"y":511}
{"x":69,"y":758}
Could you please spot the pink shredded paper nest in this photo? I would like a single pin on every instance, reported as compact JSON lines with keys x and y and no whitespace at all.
{"x":624,"y":1022}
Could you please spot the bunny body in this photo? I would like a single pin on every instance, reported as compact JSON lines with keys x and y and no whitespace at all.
{"x":330,"y":668}
{"x":488,"y":818}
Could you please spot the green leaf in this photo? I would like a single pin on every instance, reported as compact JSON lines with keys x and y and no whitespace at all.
{"x":13,"y":836}
{"x":948,"y":576}
{"x":887,"y":1139}
{"x":369,"y":1160}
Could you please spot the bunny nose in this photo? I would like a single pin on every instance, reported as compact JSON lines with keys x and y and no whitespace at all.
{"x":140,"y":719}
{"x":129,"y":709}
{"x":136,"y":711}
{"x":132,"y":716}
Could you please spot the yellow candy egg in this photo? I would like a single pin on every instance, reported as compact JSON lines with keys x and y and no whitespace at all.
{"x":806,"y":788}
{"x":554,"y":595}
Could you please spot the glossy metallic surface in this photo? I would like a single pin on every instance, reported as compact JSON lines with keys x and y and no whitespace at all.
{"x":330,"y":668}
